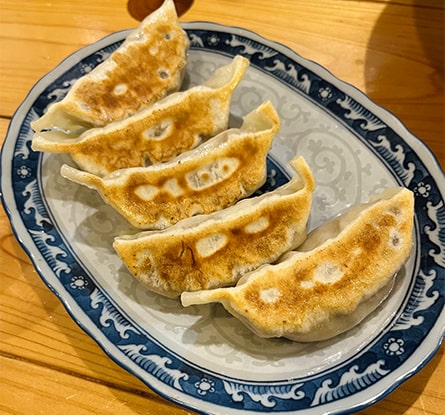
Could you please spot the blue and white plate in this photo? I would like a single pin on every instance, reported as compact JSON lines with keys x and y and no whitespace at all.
{"x":200,"y":357}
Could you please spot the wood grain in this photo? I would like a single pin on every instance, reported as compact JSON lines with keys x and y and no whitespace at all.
{"x":393,"y":51}
{"x":30,"y":388}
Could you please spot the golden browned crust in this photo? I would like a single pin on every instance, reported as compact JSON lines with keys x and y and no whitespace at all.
{"x":146,"y":75}
{"x":306,"y":294}
{"x":145,"y":68}
{"x":155,"y":134}
{"x":213,"y":176}
{"x":215,"y":250}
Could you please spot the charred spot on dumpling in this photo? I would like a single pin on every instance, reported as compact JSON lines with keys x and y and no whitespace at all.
{"x":159,"y":131}
{"x":394,"y":210}
{"x":163,"y":74}
{"x":147,"y":160}
{"x":395,"y":239}
{"x":196,"y":209}
{"x":201,"y":138}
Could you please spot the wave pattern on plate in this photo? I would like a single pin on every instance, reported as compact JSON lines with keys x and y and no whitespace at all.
{"x":338,"y":130}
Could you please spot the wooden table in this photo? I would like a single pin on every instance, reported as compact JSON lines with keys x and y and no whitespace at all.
{"x":391,"y":50}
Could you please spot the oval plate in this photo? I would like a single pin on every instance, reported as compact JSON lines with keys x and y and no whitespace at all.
{"x":201,"y":357}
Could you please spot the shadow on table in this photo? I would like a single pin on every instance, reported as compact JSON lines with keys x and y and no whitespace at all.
{"x":389,"y":54}
{"x":404,"y":66}
{"x":433,"y":50}
{"x":391,"y":46}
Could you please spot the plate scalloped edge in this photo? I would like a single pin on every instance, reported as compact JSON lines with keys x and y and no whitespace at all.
{"x":352,"y":387}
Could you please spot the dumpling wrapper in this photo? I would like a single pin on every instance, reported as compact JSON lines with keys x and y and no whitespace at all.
{"x":177,"y":123}
{"x":149,"y":64}
{"x":213,"y":176}
{"x":339,"y":275}
{"x":209,"y":251}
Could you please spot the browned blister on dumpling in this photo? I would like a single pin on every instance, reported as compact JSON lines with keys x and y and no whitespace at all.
{"x":171,"y":126}
{"x":213,"y":176}
{"x":149,"y":64}
{"x":215,"y":250}
{"x":340,"y":274}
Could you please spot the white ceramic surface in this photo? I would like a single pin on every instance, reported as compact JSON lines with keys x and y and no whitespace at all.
{"x":201,"y":357}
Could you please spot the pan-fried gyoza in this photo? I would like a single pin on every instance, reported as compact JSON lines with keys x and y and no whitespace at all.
{"x":177,"y":123}
{"x":339,"y":275}
{"x":148,"y":65}
{"x":215,"y":250}
{"x":213,"y":176}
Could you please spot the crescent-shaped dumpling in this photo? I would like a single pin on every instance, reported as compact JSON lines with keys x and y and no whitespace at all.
{"x":148,"y":65}
{"x":177,"y":123}
{"x":213,"y":176}
{"x":336,"y":278}
{"x":209,"y":251}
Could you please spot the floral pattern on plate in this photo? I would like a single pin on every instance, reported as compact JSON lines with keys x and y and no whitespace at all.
{"x":201,"y":357}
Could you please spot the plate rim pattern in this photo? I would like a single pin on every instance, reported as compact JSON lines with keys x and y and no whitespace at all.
{"x":359,"y":383}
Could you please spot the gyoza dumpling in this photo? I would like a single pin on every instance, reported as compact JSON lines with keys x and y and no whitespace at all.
{"x":175,"y":124}
{"x":213,"y":176}
{"x":336,"y":278}
{"x":209,"y":251}
{"x":149,"y":64}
